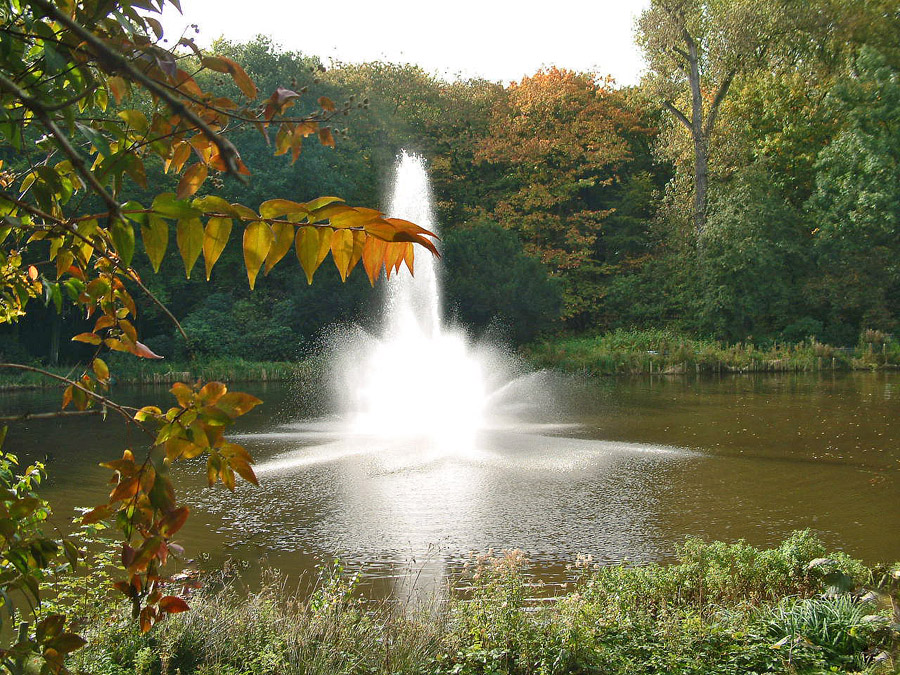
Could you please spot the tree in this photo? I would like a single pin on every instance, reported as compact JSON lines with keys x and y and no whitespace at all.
{"x":695,"y":49}
{"x":489,"y":277}
{"x":91,"y":103}
{"x":561,"y":139}
{"x":855,"y":207}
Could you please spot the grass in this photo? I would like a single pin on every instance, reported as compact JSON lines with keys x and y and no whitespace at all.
{"x":130,"y":370}
{"x":668,"y":352}
{"x":722,"y":608}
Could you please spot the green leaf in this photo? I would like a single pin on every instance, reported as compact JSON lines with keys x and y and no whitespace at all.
{"x":166,"y":204}
{"x":155,"y":234}
{"x":123,"y":238}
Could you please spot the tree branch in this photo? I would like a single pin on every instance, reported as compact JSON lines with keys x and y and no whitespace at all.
{"x":118,"y":62}
{"x":112,"y":405}
{"x":680,"y":116}
{"x":48,"y":415}
{"x":717,"y":101}
{"x":62,"y":140}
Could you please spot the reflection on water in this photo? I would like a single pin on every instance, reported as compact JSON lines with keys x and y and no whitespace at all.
{"x":629,"y":470}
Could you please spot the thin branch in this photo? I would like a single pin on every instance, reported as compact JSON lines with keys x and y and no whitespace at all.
{"x":717,"y":101}
{"x":668,"y":105}
{"x":48,"y":415}
{"x":117,"y":61}
{"x":109,"y":403}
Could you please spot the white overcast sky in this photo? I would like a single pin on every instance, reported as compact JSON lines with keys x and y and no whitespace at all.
{"x":498,"y":40}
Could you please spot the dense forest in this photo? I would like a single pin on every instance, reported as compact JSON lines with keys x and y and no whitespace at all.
{"x":747,"y":189}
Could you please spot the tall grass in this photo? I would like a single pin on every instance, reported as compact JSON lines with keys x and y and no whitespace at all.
{"x":668,"y":352}
{"x":722,"y":608}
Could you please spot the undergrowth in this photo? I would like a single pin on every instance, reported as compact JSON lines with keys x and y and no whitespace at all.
{"x":722,"y":608}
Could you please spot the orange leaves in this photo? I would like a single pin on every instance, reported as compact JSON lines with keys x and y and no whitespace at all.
{"x":222,"y":64}
{"x":191,"y":180}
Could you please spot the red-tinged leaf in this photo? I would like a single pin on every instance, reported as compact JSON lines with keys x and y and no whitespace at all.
{"x":325,"y":137}
{"x":191,"y":180}
{"x":143,"y":351}
{"x":124,"y":587}
{"x":126,"y":489}
{"x":326,"y":104}
{"x":174,"y":521}
{"x":32,"y":272}
{"x":50,"y":627}
{"x":189,"y":237}
{"x":373,"y":257}
{"x":258,"y":239}
{"x":284,"y":238}
{"x":66,"y":643}
{"x":227,"y":474}
{"x":215,"y":237}
{"x":312,"y":244}
{"x":244,"y":471}
{"x":409,"y":257}
{"x":341,"y":251}
{"x":89,"y":338}
{"x":393,"y":256}
{"x":97,"y":514}
{"x":172,"y":604}
{"x":67,"y":396}
{"x":147,"y":618}
{"x":236,"y":403}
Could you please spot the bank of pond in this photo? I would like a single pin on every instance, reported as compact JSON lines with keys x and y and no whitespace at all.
{"x":620,"y":352}
{"x":720,"y":608}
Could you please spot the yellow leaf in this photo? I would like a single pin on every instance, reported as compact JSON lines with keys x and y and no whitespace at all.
{"x":241,"y":79}
{"x":155,"y":234}
{"x":100,"y":369}
{"x":179,"y":157}
{"x":284,"y":237}
{"x":312,"y":244}
{"x":189,"y":237}
{"x":214,"y":239}
{"x":341,"y":251}
{"x":191,"y":180}
{"x":276,"y":208}
{"x":258,"y":238}
{"x":136,"y":120}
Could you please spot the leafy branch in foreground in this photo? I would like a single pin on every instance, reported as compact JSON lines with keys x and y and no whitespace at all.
{"x":91,"y":103}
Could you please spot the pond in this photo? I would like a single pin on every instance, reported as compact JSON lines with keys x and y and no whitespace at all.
{"x":617,"y":468}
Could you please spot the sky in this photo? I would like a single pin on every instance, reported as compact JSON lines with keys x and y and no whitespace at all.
{"x":495,"y":39}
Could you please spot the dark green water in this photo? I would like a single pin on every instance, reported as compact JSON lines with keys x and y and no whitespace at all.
{"x":618,"y":468}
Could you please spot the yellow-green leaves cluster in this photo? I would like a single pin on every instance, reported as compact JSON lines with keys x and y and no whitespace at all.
{"x":315,"y":229}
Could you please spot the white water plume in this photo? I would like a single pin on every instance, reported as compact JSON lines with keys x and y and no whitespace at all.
{"x":421,"y":391}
